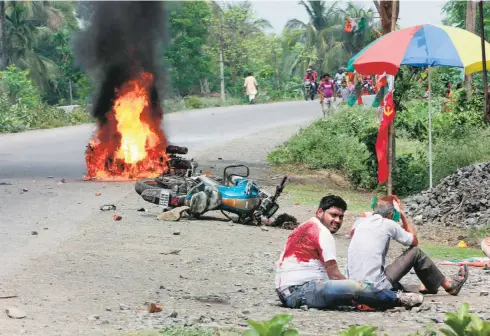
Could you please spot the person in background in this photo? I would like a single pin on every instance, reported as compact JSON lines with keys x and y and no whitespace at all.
{"x":251,"y":87}
{"x":307,"y":272}
{"x":370,"y":240}
{"x":344,"y":92}
{"x":326,"y":90}
{"x":312,"y":76}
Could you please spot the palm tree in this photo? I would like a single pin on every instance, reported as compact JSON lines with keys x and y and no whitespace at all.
{"x":325,"y":32}
{"x":23,"y":35}
{"x":316,"y":33}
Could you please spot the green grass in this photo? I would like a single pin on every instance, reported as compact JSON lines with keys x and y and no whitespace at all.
{"x":480,"y":233}
{"x":185,"y":331}
{"x":311,"y":194}
{"x":447,"y":253}
{"x":405,"y":146}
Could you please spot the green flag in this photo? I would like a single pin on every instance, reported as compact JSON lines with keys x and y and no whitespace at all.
{"x":379,"y":97}
{"x":361,"y":25}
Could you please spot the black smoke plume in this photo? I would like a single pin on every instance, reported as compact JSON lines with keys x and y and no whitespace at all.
{"x":122,"y":39}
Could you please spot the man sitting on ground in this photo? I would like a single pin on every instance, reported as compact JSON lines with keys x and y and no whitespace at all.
{"x":307,"y":271}
{"x":369,"y":245}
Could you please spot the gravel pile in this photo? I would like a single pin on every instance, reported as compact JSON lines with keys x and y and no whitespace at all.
{"x":460,"y":200}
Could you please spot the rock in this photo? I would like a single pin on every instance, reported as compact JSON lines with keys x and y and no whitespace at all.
{"x":176,"y":233}
{"x":122,"y":306}
{"x":15,"y":313}
{"x":460,"y":199}
{"x":174,"y":314}
{"x":108,"y":309}
{"x":162,"y":287}
{"x":263,"y":228}
{"x":173,"y":215}
{"x":25,"y":190}
{"x":304,"y":307}
{"x":246,"y":312}
{"x":105,"y":322}
{"x":93,"y":317}
{"x":34,"y":233}
{"x":483,"y":293}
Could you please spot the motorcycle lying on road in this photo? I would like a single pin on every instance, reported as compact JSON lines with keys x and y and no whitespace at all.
{"x":234,"y":193}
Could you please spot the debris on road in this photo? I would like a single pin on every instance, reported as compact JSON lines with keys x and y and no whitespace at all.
{"x":8,"y":296}
{"x":15,"y":313}
{"x":25,"y":190}
{"x":98,"y":194}
{"x":177,"y":233}
{"x":154,"y":308}
{"x":34,"y":233}
{"x":172,"y":215}
{"x":108,"y":207}
{"x":285,"y":221}
{"x":123,"y":306}
{"x":117,"y":217}
{"x":141,"y":210}
{"x":175,"y":252}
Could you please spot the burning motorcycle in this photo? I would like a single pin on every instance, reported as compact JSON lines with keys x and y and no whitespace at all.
{"x":233,"y":193}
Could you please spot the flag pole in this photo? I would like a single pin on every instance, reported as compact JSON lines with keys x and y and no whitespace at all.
{"x":391,"y":129}
{"x":430,"y":129}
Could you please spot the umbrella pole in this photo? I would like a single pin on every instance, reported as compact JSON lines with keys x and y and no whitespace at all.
{"x":430,"y":130}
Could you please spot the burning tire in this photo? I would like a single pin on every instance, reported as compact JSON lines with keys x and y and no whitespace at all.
{"x":179,"y":184}
{"x":144,"y":184}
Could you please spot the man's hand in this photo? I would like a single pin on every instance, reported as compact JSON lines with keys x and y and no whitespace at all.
{"x":333,"y":270}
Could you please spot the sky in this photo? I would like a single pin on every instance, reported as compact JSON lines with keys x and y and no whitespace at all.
{"x":412,"y":12}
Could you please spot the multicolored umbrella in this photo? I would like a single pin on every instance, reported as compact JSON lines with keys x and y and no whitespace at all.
{"x":421,"y":46}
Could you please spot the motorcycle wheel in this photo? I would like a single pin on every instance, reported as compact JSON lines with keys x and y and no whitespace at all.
{"x":144,"y":184}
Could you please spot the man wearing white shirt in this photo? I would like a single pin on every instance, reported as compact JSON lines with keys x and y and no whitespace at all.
{"x":307,"y":272}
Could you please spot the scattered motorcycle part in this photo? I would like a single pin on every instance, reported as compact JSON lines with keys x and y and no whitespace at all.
{"x":108,"y":207}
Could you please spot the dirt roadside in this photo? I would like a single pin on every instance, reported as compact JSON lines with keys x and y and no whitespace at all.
{"x":97,"y":281}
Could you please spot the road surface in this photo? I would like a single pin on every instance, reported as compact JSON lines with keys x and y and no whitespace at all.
{"x":60,"y":152}
{"x":53,"y":210}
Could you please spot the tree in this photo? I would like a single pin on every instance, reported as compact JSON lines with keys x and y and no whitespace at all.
{"x":385,"y":11}
{"x":239,"y":26}
{"x":316,"y":33}
{"x":189,"y":26}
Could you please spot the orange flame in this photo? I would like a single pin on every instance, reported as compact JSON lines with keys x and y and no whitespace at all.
{"x":131,"y":144}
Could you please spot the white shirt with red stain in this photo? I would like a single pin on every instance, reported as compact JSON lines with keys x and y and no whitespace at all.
{"x":303,"y":259}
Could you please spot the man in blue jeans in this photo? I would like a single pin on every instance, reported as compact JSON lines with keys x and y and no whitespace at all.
{"x":307,"y":271}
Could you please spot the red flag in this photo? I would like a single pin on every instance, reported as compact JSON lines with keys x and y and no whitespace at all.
{"x":382,"y":140}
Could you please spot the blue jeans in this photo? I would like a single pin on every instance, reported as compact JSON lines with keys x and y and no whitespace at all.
{"x":330,"y":294}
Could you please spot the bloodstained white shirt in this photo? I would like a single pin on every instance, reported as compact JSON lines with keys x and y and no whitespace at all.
{"x":307,"y":250}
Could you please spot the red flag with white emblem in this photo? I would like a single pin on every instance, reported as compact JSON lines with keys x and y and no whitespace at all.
{"x":382,"y":140}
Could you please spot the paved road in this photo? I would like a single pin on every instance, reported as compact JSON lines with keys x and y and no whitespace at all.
{"x":60,"y":152}
{"x":56,"y":211}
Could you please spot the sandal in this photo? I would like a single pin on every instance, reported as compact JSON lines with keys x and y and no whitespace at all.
{"x":457,"y":283}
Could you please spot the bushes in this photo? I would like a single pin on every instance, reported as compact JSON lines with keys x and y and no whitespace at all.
{"x":346,"y":142}
{"x":18,"y":117}
{"x":21,"y":108}
{"x":340,"y":143}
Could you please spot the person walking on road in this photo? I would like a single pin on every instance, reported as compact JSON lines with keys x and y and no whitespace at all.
{"x":251,"y":87}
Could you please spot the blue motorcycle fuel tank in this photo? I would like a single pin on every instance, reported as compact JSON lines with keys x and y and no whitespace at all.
{"x":237,"y":198}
